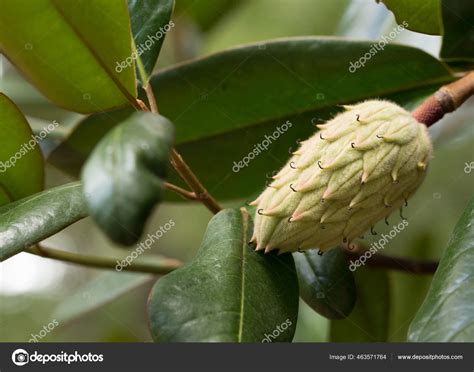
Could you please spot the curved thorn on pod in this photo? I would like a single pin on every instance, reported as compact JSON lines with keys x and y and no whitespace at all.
{"x":406,"y":202}
{"x":291,"y":187}
{"x":321,"y":135}
{"x":289,"y":219}
{"x":381,"y":137}
{"x":319,"y":164}
{"x":401,"y":215}
{"x":260,"y":212}
{"x":353,"y":145}
{"x":386,"y":221}
{"x":320,"y":252}
{"x":358,"y":116}
{"x":292,"y":165}
{"x":372,"y":231}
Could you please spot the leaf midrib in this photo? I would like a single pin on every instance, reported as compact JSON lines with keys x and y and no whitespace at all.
{"x":245,"y":218}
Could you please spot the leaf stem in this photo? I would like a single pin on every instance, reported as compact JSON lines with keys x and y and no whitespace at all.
{"x":178,"y":190}
{"x":164,"y":266}
{"x":447,"y":99}
{"x":183,"y":169}
{"x":382,"y":261}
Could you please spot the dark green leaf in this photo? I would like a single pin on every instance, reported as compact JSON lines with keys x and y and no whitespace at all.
{"x":229,"y":293}
{"x":123,"y":178}
{"x":99,"y":291}
{"x":418,"y":15}
{"x":458,"y":37}
{"x":35,"y":218}
{"x":150,"y":23}
{"x":326,"y":283}
{"x":69,"y":50}
{"x":369,"y":321}
{"x":225,"y":104}
{"x":447,"y":314}
{"x":21,"y":160}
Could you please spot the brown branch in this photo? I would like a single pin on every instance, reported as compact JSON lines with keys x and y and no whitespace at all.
{"x":141,"y":265}
{"x":178,"y":190}
{"x":183,"y":169}
{"x":382,"y":261}
{"x":447,"y":99}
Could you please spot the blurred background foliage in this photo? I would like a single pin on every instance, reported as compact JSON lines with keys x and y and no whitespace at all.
{"x":35,"y":291}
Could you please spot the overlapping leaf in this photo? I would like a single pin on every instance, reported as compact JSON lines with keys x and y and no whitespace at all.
{"x":447,"y":314}
{"x":70,"y":50}
{"x":21,"y":160}
{"x":326,"y":283}
{"x":123,"y":178}
{"x":418,"y":15}
{"x":30,"y":220}
{"x":150,"y":23}
{"x":229,"y":293}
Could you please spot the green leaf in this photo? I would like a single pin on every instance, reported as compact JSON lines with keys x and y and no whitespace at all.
{"x":419,"y":15}
{"x":123,"y":178}
{"x":101,"y":290}
{"x":150,"y":23}
{"x":447,"y":314}
{"x":225,"y":104}
{"x":458,"y":36}
{"x":369,"y":321}
{"x":70,"y":50}
{"x":229,"y":293}
{"x":21,"y":160}
{"x":326,"y":283}
{"x":30,"y":220}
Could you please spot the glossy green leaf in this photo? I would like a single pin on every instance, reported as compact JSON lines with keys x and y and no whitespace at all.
{"x":447,"y":314}
{"x":225,"y":104}
{"x":458,"y":36}
{"x":99,"y":291}
{"x":70,"y":50}
{"x":21,"y":160}
{"x":326,"y":283}
{"x":123,"y":177}
{"x":151,"y":20}
{"x":369,"y":321}
{"x":419,"y":15}
{"x":30,"y":220}
{"x":229,"y":293}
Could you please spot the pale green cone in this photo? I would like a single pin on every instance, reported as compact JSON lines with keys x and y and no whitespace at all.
{"x":360,"y":167}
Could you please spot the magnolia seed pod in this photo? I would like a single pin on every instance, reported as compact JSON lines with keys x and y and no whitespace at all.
{"x":360,"y":167}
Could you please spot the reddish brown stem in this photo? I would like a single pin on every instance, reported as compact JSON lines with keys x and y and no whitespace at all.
{"x":406,"y":265}
{"x":447,"y":99}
